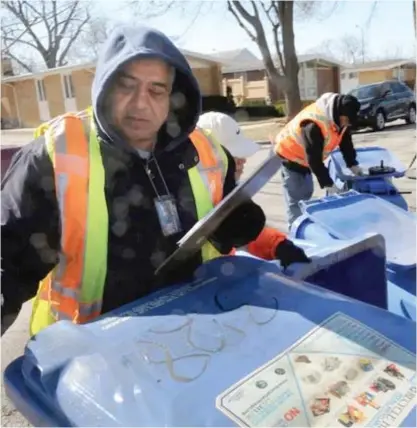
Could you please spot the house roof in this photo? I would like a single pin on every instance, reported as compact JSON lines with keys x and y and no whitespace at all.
{"x":226,"y":55}
{"x":380,"y":65}
{"x":90,"y":65}
{"x":258,"y":64}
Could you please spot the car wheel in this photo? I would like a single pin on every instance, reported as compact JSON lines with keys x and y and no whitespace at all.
{"x":379,"y":121}
{"x":411,"y":117}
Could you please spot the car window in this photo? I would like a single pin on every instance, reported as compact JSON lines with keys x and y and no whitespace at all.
{"x":385,"y":87}
{"x":363,"y":92}
{"x":397,"y":87}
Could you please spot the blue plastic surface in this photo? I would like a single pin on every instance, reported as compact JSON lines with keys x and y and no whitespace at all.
{"x":380,"y":185}
{"x":401,"y":292}
{"x":238,"y":315}
{"x":351,"y":215}
{"x":331,"y":268}
{"x":367,"y":157}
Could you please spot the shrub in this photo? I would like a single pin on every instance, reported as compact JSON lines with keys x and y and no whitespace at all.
{"x":253,"y":103}
{"x":256,"y":112}
{"x":217,"y":103}
{"x":281,"y":107}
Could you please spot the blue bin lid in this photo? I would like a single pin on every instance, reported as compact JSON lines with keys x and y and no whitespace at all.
{"x":172,"y":358}
{"x":352,"y":215}
{"x":366,"y":157}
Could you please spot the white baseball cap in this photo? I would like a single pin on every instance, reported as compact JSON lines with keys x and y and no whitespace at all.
{"x":228,"y":133}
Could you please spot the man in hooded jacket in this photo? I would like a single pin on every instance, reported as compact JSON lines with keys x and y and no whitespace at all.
{"x":99,"y":200}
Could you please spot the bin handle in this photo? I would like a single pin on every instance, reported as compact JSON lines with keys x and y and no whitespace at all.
{"x":305,"y":203}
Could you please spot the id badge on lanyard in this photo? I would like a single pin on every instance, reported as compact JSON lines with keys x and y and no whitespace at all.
{"x":166,"y":206}
{"x":166,"y":209}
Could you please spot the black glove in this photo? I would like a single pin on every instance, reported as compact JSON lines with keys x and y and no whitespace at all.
{"x":288,"y":253}
{"x":241,"y":226}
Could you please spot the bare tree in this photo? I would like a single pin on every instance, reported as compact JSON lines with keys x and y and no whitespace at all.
{"x":99,"y":27}
{"x":88,"y":46}
{"x":276,"y":19}
{"x":280,"y":15}
{"x":352,"y":49}
{"x":41,"y":28}
{"x":349,"y":49}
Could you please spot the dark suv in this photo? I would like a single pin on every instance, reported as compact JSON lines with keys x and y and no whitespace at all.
{"x":385,"y":102}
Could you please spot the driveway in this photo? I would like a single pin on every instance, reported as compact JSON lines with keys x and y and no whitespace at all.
{"x":399,"y":139}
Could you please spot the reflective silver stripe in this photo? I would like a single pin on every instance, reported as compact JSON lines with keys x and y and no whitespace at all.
{"x":85,"y":310}
{"x":61,"y":183}
{"x":59,"y":136}
{"x":219,"y":158}
{"x":203,"y":174}
{"x":65,"y":291}
{"x":60,"y":316}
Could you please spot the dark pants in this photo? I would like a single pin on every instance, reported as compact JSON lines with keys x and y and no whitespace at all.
{"x":297,"y":187}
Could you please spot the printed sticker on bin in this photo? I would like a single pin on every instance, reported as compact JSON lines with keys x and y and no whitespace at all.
{"x":341,"y":374}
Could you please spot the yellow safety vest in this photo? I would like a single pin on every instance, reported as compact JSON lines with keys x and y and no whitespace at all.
{"x":74,"y":289}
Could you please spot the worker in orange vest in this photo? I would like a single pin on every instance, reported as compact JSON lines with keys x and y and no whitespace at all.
{"x":93,"y":206}
{"x":271,"y":244}
{"x":308,"y":139}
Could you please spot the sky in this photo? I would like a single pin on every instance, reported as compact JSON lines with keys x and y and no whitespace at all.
{"x":389,"y":33}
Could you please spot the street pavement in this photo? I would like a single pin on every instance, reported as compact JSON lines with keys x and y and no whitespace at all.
{"x":397,"y":137}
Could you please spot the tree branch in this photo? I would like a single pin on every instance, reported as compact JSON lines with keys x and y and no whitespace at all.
{"x":72,"y":39}
{"x":25,"y":66}
{"x":275,"y":30}
{"x":239,"y":21}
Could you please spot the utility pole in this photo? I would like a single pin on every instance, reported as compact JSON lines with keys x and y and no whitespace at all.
{"x":362,"y":42}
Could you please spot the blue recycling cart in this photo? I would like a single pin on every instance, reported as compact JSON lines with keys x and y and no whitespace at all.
{"x":380,"y":184}
{"x":241,"y":345}
{"x":351,"y":215}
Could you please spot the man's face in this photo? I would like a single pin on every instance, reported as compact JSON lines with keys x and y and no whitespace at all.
{"x":139,"y":101}
{"x":240,"y":166}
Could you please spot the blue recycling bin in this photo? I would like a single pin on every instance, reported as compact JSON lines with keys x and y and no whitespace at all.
{"x":380,"y":185}
{"x":242,"y":345}
{"x":350,"y":215}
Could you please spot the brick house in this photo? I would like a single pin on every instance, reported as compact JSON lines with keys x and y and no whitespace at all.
{"x":30,"y":99}
{"x":378,"y":71}
{"x":249,"y":82}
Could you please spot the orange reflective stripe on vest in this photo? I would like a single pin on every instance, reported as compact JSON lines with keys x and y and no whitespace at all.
{"x":210,"y":165}
{"x":71,"y":165}
{"x":289,"y":141}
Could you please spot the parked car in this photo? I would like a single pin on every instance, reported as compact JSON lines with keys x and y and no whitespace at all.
{"x":385,"y":102}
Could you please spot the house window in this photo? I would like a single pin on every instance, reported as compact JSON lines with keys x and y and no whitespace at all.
{"x":68,"y":86}
{"x":255,"y":75}
{"x":343,"y":75}
{"x":353,"y":75}
{"x":41,"y":90}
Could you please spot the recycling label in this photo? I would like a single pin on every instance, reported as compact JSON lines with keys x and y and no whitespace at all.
{"x":341,"y":374}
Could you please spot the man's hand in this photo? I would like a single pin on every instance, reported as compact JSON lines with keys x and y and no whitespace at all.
{"x":288,"y":253}
{"x":357,"y":170}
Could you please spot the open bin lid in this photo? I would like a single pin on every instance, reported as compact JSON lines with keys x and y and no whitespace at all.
{"x":367,"y":157}
{"x":352,"y":215}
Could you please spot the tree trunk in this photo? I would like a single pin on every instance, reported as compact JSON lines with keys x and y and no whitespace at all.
{"x":292,"y":91}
